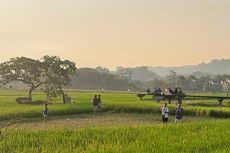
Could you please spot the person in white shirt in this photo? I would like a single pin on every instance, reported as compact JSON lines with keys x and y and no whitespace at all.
{"x":165,"y":113}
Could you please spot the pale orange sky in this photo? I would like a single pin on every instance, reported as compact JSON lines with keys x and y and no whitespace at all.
{"x":113,"y":33}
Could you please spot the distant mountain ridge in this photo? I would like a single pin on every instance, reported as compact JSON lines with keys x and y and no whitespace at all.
{"x":214,"y":67}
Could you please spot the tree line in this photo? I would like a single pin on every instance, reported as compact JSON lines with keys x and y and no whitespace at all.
{"x":101,"y":79}
{"x":51,"y":74}
{"x":192,"y":83}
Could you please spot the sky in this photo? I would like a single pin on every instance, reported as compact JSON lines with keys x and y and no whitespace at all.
{"x":112,"y":33}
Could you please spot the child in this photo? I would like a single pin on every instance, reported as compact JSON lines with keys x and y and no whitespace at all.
{"x":45,"y":112}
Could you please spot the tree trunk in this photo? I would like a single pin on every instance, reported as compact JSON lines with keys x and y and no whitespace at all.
{"x":63,"y":98}
{"x":30,"y":93}
{"x":48,"y":98}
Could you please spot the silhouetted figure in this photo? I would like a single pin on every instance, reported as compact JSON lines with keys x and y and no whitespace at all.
{"x":159,"y":90}
{"x":158,"y":94}
{"x":148,"y":91}
{"x":99,"y":102}
{"x":170,"y":91}
{"x":95,"y":104}
{"x":175,"y":91}
{"x":66,"y":99}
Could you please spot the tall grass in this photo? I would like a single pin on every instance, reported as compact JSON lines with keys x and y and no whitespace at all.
{"x":112,"y":102}
{"x":195,"y":137}
{"x":189,"y":137}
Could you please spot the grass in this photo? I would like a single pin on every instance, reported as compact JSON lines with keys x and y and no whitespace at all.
{"x":193,"y":137}
{"x":125,"y":124}
{"x":112,"y":102}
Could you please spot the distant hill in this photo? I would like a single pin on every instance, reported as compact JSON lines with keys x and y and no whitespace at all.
{"x":100,"y":79}
{"x":137,"y":73}
{"x":214,"y":67}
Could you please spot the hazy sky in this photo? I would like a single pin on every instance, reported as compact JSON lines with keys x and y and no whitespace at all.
{"x":115,"y":33}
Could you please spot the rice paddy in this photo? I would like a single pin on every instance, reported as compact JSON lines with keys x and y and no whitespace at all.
{"x":124,"y":124}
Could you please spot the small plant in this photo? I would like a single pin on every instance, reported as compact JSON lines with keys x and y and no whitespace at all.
{"x":5,"y":129}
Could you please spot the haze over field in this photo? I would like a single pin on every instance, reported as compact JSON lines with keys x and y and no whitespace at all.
{"x":115,"y":33}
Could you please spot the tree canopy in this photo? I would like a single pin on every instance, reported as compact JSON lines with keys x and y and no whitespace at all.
{"x":50,"y":71}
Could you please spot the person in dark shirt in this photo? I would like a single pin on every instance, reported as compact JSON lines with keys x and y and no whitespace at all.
{"x":95,"y":104}
{"x":159,"y":90}
{"x":148,"y":91}
{"x":176,"y":91}
{"x":170,"y":91}
{"x":179,"y":113}
{"x":99,"y":101}
{"x":45,"y":112}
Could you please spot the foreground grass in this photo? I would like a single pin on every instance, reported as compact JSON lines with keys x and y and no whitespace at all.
{"x":125,"y":124}
{"x":193,"y":137}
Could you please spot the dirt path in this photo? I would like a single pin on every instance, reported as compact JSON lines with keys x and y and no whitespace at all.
{"x":101,"y":120}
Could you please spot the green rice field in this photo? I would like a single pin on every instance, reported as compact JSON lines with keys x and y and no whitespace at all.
{"x":124,"y":124}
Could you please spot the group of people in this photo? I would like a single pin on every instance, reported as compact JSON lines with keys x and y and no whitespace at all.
{"x":165,"y":113}
{"x":157,"y":91}
{"x":97,"y":103}
{"x":66,"y":99}
{"x":176,"y":91}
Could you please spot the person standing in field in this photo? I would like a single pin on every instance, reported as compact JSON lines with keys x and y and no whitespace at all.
{"x":175,"y":91}
{"x":95,"y":104}
{"x":165,"y":113}
{"x":179,"y":113}
{"x":99,"y":101}
{"x":45,"y":112}
{"x":148,"y":91}
{"x":170,"y":91}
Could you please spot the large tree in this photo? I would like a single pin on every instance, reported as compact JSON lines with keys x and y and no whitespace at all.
{"x":48,"y":71}
{"x":56,"y":73}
